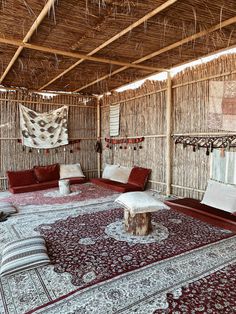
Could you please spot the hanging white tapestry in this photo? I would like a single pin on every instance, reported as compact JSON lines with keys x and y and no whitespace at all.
{"x":114,"y":120}
{"x":44,"y":130}
{"x":222,"y":105}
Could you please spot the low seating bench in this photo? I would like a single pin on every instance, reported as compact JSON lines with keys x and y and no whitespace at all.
{"x":204,"y":212}
{"x":136,"y":182}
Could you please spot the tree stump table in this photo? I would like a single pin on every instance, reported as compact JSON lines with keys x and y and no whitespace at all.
{"x":139,"y":224}
{"x":138,"y":207}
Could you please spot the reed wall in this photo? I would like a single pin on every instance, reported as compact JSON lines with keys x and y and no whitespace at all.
{"x":143,"y":113}
{"x":82,"y":125}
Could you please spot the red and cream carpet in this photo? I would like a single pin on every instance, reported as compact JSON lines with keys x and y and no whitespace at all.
{"x":99,"y":268}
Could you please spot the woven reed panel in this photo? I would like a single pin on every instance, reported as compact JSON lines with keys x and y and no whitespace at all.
{"x":146,"y":116}
{"x":82,"y":124}
{"x":139,"y":117}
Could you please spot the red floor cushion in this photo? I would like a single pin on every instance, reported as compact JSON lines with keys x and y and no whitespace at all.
{"x":116,"y":186}
{"x":139,"y":177}
{"x":34,"y":187}
{"x":21,"y":178}
{"x":47,"y":173}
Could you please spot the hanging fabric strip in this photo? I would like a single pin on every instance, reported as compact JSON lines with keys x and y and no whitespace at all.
{"x":44,"y":130}
{"x":114,"y":120}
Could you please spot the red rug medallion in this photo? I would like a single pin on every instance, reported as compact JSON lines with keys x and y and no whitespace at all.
{"x":94,"y":247}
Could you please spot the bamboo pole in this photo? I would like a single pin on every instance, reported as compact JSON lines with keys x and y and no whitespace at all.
{"x":165,"y":49}
{"x":99,"y":136}
{"x":76,"y":55}
{"x":76,"y":138}
{"x":145,"y":136}
{"x":46,"y":103}
{"x":60,"y":93}
{"x":27,"y":37}
{"x":85,"y":171}
{"x":168,"y":134}
{"x":135,"y":97}
{"x":157,"y":182}
{"x":204,"y":133}
{"x":187,"y":188}
{"x":115,"y":37}
{"x":206,"y":78}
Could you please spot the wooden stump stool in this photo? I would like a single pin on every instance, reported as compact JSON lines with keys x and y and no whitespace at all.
{"x":138,"y":224}
{"x":138,"y":207}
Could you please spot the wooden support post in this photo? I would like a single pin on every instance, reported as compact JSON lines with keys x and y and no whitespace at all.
{"x":168,"y":134}
{"x":98,"y":136}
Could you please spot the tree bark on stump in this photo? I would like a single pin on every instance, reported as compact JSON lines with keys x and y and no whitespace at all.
{"x":139,"y":224}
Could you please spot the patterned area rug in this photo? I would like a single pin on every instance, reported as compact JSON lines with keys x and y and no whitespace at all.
{"x":94,"y":247}
{"x":212,"y":294}
{"x":82,"y":194}
{"x":100,"y":269}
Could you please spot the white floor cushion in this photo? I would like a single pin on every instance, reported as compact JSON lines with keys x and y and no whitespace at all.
{"x":24,"y":254}
{"x":71,"y":171}
{"x":109,"y":170}
{"x":140,"y":202}
{"x":221,"y":196}
{"x":121,"y":174}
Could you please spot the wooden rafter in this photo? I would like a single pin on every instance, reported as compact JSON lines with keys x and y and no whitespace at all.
{"x":76,"y":55}
{"x":115,"y":37}
{"x":27,"y":37}
{"x":165,"y":49}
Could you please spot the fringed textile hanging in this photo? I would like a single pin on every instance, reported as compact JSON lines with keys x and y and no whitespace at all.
{"x":208,"y":142}
{"x":124,"y":143}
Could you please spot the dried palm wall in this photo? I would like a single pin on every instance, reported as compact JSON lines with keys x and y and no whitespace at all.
{"x":82,"y":125}
{"x":143,"y":113}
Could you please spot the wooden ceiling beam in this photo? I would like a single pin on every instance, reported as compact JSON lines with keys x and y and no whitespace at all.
{"x":114,"y":38}
{"x":76,"y":55}
{"x":165,"y":49}
{"x":27,"y":37}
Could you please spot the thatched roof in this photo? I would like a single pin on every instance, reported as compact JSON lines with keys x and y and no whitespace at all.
{"x":72,"y":46}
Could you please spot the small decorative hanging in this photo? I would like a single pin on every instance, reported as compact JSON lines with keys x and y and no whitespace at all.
{"x":70,"y":147}
{"x":124,"y":143}
{"x":207,"y":142}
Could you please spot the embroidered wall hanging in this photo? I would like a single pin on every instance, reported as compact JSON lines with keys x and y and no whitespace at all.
{"x":114,"y":120}
{"x":44,"y":130}
{"x":222,"y":105}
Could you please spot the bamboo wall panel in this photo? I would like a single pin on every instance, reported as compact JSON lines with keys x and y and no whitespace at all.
{"x":145,"y":115}
{"x":82,"y":125}
{"x":190,"y":111}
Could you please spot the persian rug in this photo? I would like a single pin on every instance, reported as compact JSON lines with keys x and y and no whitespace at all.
{"x":82,"y":194}
{"x":44,"y":130}
{"x":211,"y":294}
{"x":98,"y":268}
{"x":222,"y":105}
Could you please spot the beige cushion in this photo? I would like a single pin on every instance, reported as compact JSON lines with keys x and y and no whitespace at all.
{"x":220,"y":195}
{"x":140,"y":202}
{"x":23,"y":254}
{"x":71,"y":171}
{"x":121,"y":174}
{"x":7,"y":208}
{"x":109,"y":170}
